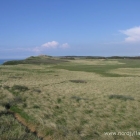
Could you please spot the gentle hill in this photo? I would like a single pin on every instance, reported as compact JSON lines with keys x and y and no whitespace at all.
{"x":41,"y":59}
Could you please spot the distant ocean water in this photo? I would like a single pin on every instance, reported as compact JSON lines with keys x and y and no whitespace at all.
{"x":2,"y":61}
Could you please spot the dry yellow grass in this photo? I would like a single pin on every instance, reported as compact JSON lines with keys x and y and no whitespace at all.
{"x":79,"y":111}
{"x":96,"y":62}
{"x":127,"y":71}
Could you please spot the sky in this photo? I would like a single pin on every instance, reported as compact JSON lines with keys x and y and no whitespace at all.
{"x":69,"y":27}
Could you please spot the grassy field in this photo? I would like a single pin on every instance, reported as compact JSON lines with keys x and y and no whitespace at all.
{"x":79,"y":99}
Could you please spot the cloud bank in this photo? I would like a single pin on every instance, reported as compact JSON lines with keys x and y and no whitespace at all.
{"x":133,"y":35}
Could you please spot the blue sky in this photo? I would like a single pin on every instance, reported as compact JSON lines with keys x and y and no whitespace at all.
{"x":69,"y":27}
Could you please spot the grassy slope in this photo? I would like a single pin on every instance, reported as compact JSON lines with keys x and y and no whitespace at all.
{"x":68,"y":110}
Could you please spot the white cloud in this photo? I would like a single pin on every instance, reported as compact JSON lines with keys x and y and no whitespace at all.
{"x":133,"y":35}
{"x":65,"y":45}
{"x":50,"y":45}
{"x":53,"y":44}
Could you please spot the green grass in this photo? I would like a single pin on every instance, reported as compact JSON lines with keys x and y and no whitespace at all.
{"x":21,"y":113}
{"x":101,"y":69}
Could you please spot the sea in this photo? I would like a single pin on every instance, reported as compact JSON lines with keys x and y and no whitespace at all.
{"x":2,"y":61}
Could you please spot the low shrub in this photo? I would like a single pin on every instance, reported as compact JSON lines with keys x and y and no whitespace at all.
{"x":121,"y":97}
{"x":36,"y":106}
{"x":78,"y":81}
{"x":59,"y":100}
{"x":18,"y":99}
{"x":37,"y":90}
{"x":20,"y":88}
{"x":12,"y":102}
{"x":78,"y":98}
{"x":6,"y":87}
{"x":24,"y":105}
